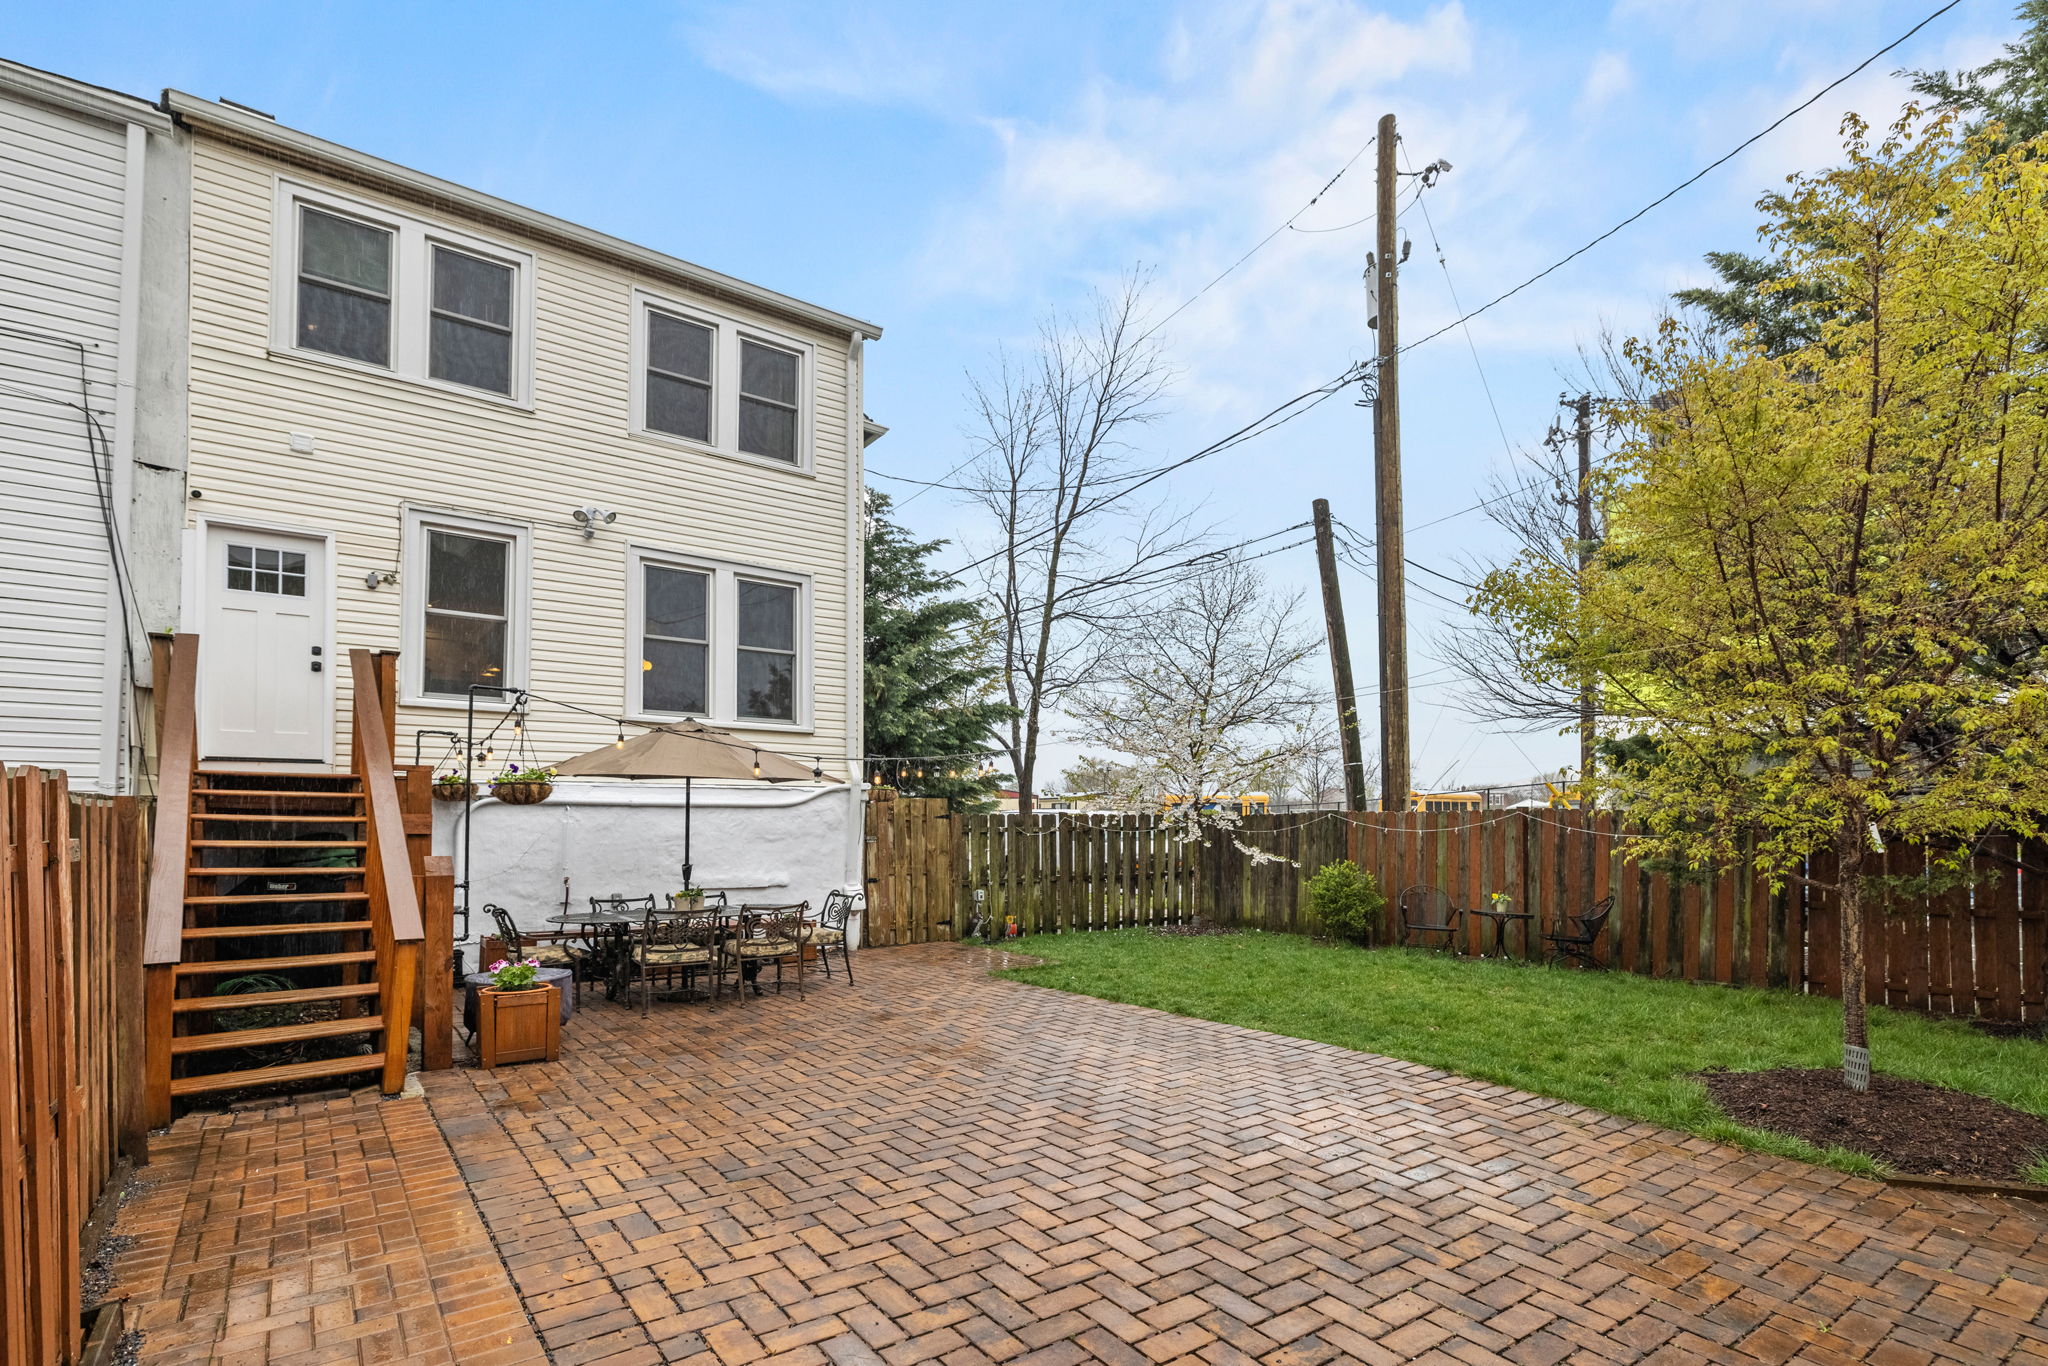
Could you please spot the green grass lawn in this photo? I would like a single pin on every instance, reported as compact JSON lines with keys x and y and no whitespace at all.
{"x":1615,"y":1042}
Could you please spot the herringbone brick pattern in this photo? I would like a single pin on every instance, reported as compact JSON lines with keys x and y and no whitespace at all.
{"x":934,"y":1166}
{"x":323,"y":1233}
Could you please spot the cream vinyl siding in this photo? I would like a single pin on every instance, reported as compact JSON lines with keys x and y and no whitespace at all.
{"x":385,"y":444}
{"x":63,"y":181}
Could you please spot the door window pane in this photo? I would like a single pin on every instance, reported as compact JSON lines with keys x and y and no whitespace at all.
{"x":344,"y":288}
{"x":766,"y":663}
{"x":675,"y":642}
{"x":261,"y":569}
{"x":470,"y":337}
{"x":678,"y":377}
{"x":768,"y":406}
{"x":467,"y":628}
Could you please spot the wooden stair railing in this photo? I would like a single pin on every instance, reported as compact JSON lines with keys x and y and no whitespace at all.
{"x":394,"y":903}
{"x":262,"y":873}
{"x":163,"y":935}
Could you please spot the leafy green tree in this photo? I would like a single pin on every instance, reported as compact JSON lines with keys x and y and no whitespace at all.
{"x":2010,"y":91}
{"x":928,"y":691}
{"x":1818,"y":563}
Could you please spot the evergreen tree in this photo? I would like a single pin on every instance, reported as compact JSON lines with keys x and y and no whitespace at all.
{"x":2010,"y":90}
{"x":928,"y":693}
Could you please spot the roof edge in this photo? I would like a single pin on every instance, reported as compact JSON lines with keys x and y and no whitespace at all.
{"x":79,"y":97}
{"x":263,"y":132}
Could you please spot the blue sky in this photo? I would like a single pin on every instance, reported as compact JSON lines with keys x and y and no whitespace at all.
{"x":953,"y":170}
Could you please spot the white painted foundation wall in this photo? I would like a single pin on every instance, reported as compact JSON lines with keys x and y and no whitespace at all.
{"x":761,"y":844}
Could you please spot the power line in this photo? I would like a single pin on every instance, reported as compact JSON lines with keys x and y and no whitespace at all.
{"x":1459,"y":307}
{"x":1185,"y":303}
{"x":1712,"y":166}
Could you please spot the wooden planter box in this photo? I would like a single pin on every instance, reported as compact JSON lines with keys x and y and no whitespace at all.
{"x":518,"y":1026}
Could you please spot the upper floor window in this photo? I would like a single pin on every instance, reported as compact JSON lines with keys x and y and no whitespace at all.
{"x":378,"y":289}
{"x":717,"y":640}
{"x":721,"y":385}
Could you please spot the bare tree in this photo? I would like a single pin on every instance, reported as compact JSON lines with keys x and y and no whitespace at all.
{"x":1204,"y":692}
{"x":1316,"y":778}
{"x":1075,"y":558}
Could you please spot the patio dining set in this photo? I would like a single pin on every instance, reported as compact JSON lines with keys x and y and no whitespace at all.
{"x":1430,"y":917}
{"x":691,"y":947}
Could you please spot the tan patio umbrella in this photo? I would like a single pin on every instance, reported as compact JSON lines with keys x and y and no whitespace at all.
{"x":686,"y":750}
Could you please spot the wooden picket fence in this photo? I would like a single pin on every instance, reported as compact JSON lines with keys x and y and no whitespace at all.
{"x":71,"y":891}
{"x":1980,"y":948}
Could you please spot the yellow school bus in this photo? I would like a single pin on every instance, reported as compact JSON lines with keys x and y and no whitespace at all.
{"x":1446,"y":801}
{"x":1245,"y":803}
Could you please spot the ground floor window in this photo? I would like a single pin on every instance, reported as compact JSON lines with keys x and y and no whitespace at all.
{"x":720,"y":641}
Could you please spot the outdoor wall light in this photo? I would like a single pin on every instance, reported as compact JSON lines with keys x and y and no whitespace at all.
{"x":591,"y":518}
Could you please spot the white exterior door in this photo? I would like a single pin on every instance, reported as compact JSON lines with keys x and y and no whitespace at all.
{"x":264,"y":686}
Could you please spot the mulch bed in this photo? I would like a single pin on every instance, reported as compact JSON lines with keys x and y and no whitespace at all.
{"x":1913,"y":1126}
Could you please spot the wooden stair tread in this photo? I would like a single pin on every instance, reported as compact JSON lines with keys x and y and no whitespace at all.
{"x":186,"y":1005}
{"x":257,"y":898}
{"x":254,"y":931}
{"x":294,"y":960}
{"x":269,"y":1076}
{"x":256,"y":1038}
{"x":343,"y":794}
{"x":276,"y":774}
{"x":280,"y":870}
{"x":338,"y":818}
{"x":278,"y":844}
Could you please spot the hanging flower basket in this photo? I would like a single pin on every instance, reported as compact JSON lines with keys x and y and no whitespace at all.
{"x":454,"y":792}
{"x":523,"y":786}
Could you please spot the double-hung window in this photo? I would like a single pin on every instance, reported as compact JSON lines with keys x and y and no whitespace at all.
{"x":379,"y":289}
{"x":720,"y":385}
{"x":726,"y":642}
{"x":465,"y":602}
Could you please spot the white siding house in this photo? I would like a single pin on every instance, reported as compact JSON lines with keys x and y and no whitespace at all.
{"x":523,"y":454}
{"x":91,"y":426}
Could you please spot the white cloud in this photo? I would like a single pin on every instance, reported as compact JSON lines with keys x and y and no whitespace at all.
{"x":813,"y":53}
{"x":1608,"y":75}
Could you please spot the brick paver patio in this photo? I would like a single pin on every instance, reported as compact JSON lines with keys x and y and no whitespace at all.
{"x":937,"y":1166}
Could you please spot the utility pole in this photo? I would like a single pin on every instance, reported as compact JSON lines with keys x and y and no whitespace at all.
{"x":1386,"y":464}
{"x":1340,"y":661}
{"x":1588,"y":715}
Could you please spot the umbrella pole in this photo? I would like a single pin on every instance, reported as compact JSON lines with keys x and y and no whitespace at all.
{"x":688,"y":880}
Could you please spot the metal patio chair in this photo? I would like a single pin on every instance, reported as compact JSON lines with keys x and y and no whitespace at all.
{"x":1426,"y":911}
{"x":771,"y":934}
{"x":831,"y":928}
{"x":553,"y":948}
{"x":676,"y":947}
{"x":1574,"y":940}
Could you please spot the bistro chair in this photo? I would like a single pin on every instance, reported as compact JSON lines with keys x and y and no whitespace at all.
{"x":619,"y":904}
{"x":552,"y":948}
{"x":830,"y":929}
{"x":676,"y":947}
{"x":1426,"y":911}
{"x":771,"y":934}
{"x":1573,"y":941}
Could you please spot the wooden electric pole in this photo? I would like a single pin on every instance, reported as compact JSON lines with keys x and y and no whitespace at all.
{"x":1588,"y":713}
{"x":1386,"y":464}
{"x":1340,"y":661}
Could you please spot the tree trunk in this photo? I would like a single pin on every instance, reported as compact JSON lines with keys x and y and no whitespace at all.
{"x":1850,"y":847}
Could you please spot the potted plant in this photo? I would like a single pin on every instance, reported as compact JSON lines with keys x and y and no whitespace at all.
{"x":523,"y":786}
{"x":688,"y":899}
{"x":453,"y":787}
{"x":518,"y":1016}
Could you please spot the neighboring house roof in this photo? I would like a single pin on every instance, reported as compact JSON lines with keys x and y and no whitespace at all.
{"x":113,"y":106}
{"x":289,"y":144}
{"x":871,"y":430}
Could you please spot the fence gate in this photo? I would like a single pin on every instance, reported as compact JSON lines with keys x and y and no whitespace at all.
{"x":913,"y":872}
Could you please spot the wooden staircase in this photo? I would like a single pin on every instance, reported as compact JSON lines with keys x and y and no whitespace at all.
{"x":284,"y":929}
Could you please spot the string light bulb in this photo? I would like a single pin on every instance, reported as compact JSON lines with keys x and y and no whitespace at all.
{"x":620,"y":743}
{"x":878,"y":777}
{"x":757,"y":763}
{"x":817,"y":767}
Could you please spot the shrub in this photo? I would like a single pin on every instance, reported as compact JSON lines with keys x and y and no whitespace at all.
{"x":1346,"y":899}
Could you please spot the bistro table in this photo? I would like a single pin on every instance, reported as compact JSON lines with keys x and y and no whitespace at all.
{"x":1500,"y":921}
{"x":609,"y":936}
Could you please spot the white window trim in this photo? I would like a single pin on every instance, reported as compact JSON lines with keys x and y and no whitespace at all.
{"x":722,"y":669}
{"x":413,"y":241}
{"x":412,"y":580}
{"x":727,"y":334}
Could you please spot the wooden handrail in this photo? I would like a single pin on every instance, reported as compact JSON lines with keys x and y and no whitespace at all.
{"x":388,"y":864}
{"x":177,"y":756}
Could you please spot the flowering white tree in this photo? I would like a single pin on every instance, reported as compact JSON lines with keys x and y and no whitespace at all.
{"x":1204,"y":693}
